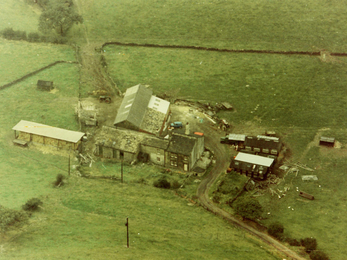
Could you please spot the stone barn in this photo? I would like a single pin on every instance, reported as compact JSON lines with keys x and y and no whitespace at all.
{"x":141,"y":111}
{"x":45,"y":85}
{"x":48,"y":135}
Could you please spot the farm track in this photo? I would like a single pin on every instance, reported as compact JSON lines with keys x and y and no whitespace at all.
{"x":222,"y":162}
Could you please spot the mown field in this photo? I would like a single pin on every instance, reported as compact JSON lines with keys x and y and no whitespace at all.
{"x":250,"y":24}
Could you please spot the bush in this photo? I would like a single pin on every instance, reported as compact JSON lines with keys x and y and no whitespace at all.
{"x":11,"y":217}
{"x":216,"y":198}
{"x":309,"y":243}
{"x":34,"y":37}
{"x":276,"y":230}
{"x":10,"y":34}
{"x":59,"y":181}
{"x":318,"y":255}
{"x":292,"y":241}
{"x":32,"y":204}
{"x":175,"y":185}
{"x":162,"y":183}
{"x":248,"y":208}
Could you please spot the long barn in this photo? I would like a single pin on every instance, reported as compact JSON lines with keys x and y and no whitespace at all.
{"x":49,"y":135}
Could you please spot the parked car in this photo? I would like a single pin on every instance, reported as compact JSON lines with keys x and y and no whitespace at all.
{"x":176,"y":124}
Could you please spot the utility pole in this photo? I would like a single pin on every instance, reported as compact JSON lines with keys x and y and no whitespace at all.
{"x":127,"y":225}
{"x":121,"y":170}
{"x":69,"y":161}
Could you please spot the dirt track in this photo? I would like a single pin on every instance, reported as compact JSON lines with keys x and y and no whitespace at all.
{"x":222,"y":157}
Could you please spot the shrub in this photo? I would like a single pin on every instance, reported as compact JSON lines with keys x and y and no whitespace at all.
{"x":11,"y":217}
{"x":216,"y":198}
{"x":162,"y":183}
{"x":10,"y":34}
{"x":175,"y":185}
{"x":309,"y":243}
{"x":276,"y":230}
{"x":318,"y":255}
{"x":248,"y":208}
{"x":59,"y":181}
{"x":34,"y":37}
{"x":292,"y":241}
{"x":32,"y":204}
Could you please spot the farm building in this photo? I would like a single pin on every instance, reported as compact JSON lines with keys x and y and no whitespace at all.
{"x":44,"y":134}
{"x":254,"y":166}
{"x":327,"y":141}
{"x":263,"y":144}
{"x":141,"y":111}
{"x":116,"y":143}
{"x":45,"y":85}
{"x":235,"y":139}
{"x":184,"y":150}
{"x":179,"y":151}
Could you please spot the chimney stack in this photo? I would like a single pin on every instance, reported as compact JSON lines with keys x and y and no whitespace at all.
{"x":187,"y":132}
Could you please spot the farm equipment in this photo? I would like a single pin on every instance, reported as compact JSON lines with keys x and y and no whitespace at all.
{"x":105,"y":99}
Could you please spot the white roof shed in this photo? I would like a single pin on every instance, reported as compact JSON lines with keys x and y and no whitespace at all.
{"x":48,"y":131}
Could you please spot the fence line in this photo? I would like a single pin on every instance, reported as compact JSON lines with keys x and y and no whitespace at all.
{"x":35,"y":72}
{"x":310,"y":53}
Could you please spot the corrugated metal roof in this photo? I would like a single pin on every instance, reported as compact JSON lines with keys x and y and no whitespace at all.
{"x":159,"y":104}
{"x":134,"y":105}
{"x":236,"y":137}
{"x":254,"y":159}
{"x":48,"y":131}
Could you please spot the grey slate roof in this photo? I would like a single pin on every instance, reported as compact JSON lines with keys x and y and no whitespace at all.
{"x":48,"y":131}
{"x":181,"y":144}
{"x":156,"y":143}
{"x":134,"y":105}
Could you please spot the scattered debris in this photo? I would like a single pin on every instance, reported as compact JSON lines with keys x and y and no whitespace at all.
{"x":309,"y":177}
{"x":306,"y":195}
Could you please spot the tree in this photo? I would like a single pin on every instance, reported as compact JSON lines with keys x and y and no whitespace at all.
{"x":32,"y":204}
{"x":318,"y":255}
{"x":59,"y":17}
{"x":276,"y":230}
{"x":309,"y":243}
{"x":248,"y":208}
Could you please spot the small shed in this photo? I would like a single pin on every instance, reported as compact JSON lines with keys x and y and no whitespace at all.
{"x":327,"y":141}
{"x":48,"y":135}
{"x":45,"y":85}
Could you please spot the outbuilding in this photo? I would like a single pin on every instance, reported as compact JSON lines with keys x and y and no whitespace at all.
{"x":45,"y":85}
{"x":48,"y":135}
{"x":254,"y":166}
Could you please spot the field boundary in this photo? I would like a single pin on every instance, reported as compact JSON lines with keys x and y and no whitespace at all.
{"x":310,"y":53}
{"x":35,"y":72}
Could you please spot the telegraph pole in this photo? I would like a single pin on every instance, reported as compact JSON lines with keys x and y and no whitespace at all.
{"x":127,"y":225}
{"x":69,"y":160}
{"x":121,"y":170}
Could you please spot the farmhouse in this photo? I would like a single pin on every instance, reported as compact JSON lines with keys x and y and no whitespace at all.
{"x":141,"y":111}
{"x":184,"y":150}
{"x":254,"y":166}
{"x":44,"y":134}
{"x":263,"y":144}
{"x":180,"y":151}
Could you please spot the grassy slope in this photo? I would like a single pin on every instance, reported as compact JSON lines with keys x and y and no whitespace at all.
{"x":18,"y":15}
{"x":19,"y":58}
{"x":241,"y":24}
{"x":296,"y":90}
{"x":85,"y":220}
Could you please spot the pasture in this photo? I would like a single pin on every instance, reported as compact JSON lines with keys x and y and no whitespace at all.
{"x":297,"y":96}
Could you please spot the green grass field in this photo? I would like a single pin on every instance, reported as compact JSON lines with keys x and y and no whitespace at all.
{"x":19,"y":16}
{"x":250,"y":24}
{"x":294,"y":95}
{"x":300,"y":91}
